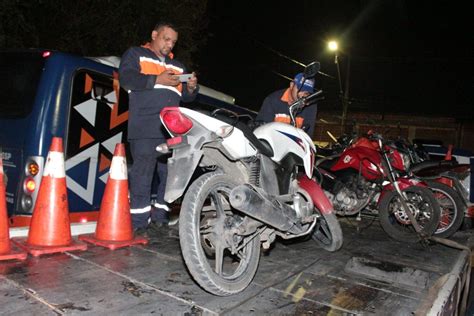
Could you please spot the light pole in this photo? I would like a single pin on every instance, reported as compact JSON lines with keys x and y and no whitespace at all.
{"x":334,"y":47}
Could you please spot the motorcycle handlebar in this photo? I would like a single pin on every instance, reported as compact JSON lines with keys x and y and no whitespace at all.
{"x":304,"y":101}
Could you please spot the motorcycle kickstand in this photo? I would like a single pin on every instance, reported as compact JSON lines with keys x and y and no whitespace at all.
{"x":358,"y":220}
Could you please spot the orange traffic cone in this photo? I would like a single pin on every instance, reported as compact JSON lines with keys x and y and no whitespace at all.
{"x":7,"y":250}
{"x":449,"y":153}
{"x":50,"y":230}
{"x":114,"y":227}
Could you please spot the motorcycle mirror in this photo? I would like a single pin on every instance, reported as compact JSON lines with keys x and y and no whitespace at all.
{"x":312,"y":69}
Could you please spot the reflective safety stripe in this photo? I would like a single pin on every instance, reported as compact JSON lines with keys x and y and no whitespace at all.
{"x":55,"y":165}
{"x":140,"y":210}
{"x":161,"y":86}
{"x":150,"y":66}
{"x":163,"y":206}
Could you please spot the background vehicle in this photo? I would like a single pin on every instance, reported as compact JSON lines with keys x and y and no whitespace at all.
{"x":366,"y":175}
{"x":447,"y":179}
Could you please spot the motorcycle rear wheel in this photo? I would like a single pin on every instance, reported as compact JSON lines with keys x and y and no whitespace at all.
{"x":427,"y":214}
{"x":205,"y":217}
{"x":452,"y":209}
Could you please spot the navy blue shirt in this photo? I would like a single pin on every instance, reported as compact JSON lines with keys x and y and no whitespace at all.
{"x":273,"y":104}
{"x":138,"y":69}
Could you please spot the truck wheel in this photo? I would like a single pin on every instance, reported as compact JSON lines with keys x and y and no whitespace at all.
{"x":207,"y":217}
{"x":422,"y":205}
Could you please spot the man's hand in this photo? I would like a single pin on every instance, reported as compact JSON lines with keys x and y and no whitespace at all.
{"x":167,"y":78}
{"x":192,"y":83}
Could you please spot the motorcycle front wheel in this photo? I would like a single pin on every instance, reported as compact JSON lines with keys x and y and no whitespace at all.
{"x":327,"y":233}
{"x":205,"y":230}
{"x":423,"y":206}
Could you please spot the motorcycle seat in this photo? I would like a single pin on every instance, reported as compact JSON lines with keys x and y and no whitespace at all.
{"x":262,"y":147}
{"x":432,"y":164}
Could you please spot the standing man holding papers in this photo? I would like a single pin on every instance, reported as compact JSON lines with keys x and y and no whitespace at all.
{"x":151,"y":76}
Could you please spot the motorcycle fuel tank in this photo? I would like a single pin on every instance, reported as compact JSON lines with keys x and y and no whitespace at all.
{"x":286,"y":139}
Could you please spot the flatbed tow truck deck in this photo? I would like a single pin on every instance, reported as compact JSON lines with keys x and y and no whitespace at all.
{"x":370,"y":275}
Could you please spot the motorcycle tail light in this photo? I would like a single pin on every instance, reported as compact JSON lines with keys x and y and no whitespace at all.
{"x":175,"y":121}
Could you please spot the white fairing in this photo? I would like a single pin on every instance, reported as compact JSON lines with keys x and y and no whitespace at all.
{"x":286,"y":139}
{"x":283,"y":138}
{"x":236,"y":143}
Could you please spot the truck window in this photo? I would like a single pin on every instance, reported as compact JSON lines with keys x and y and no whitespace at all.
{"x":19,"y":77}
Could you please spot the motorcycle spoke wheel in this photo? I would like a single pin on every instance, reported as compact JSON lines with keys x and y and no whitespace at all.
{"x":205,"y":228}
{"x":422,"y":205}
{"x":452,"y":209}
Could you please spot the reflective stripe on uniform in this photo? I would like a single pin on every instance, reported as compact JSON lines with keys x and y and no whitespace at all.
{"x":140,"y":210}
{"x":163,"y":206}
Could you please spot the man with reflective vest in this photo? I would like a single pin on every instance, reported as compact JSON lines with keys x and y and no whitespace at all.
{"x":148,"y":73}
{"x":275,"y":107}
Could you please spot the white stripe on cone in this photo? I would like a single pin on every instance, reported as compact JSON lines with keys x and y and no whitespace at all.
{"x":55,"y":165}
{"x":76,"y":229}
{"x":118,"y":168}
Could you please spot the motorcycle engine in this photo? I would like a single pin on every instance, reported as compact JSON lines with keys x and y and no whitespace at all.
{"x":349,"y":198}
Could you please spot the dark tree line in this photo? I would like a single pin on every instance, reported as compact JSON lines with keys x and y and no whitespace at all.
{"x":100,"y":27}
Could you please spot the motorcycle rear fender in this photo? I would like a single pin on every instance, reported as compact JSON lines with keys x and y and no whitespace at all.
{"x":320,"y":199}
{"x":181,"y":167}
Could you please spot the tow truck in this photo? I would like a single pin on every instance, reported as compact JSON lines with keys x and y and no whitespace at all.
{"x":47,"y":93}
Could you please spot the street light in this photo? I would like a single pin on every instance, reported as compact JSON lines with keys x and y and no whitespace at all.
{"x":334,"y":47}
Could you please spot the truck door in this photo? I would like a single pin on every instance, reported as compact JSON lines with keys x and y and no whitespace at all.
{"x":97,"y":121}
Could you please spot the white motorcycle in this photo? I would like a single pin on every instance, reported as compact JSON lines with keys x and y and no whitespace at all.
{"x":242,"y":188}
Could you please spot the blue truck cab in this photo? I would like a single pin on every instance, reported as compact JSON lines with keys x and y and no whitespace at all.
{"x":48,"y":93}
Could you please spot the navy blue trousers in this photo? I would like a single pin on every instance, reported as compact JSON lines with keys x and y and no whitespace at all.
{"x":147,"y":164}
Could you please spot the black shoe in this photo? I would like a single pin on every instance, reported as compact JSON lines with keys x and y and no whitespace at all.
{"x":155,"y":228}
{"x":159,"y":215}
{"x":141,"y":232}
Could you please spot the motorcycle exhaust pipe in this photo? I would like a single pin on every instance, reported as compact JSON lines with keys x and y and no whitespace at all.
{"x":274,"y":214}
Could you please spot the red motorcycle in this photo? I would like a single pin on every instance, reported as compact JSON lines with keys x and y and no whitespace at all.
{"x":366,"y":176}
{"x":446,"y":179}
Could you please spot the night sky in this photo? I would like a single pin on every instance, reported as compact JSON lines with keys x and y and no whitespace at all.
{"x":405,"y":56}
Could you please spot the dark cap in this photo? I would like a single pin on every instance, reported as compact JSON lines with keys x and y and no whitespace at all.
{"x":307,"y":85}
